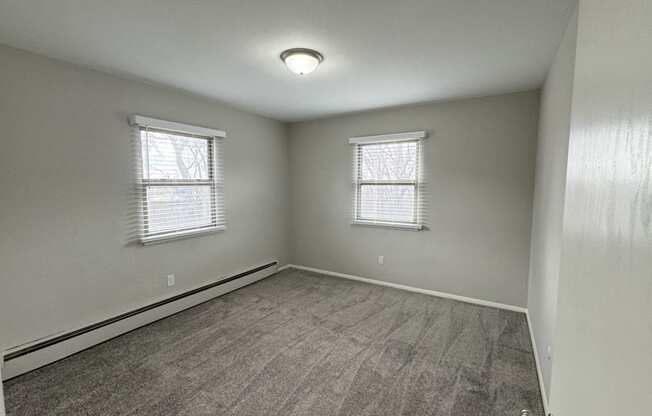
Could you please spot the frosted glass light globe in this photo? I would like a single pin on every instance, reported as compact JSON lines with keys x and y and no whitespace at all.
{"x":301,"y":61}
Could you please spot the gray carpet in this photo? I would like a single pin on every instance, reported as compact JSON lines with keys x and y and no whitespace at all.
{"x":300,"y":344}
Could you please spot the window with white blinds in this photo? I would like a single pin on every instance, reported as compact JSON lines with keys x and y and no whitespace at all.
{"x":180,"y":189}
{"x":387,"y":180}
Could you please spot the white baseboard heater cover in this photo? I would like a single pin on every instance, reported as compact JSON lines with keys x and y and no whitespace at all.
{"x":31,"y":356}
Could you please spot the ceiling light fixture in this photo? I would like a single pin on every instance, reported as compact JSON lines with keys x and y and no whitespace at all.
{"x":302,"y":61}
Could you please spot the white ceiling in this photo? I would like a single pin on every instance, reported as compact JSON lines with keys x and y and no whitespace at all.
{"x":378,"y":53}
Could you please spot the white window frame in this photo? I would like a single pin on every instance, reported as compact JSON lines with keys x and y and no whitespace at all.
{"x":358,"y":182}
{"x":214,"y":181}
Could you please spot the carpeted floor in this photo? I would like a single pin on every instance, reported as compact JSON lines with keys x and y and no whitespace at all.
{"x":300,"y":344}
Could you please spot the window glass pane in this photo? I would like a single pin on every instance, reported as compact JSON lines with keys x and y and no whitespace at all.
{"x":171,"y":208}
{"x":391,"y":203}
{"x":388,"y":161}
{"x":171,"y":156}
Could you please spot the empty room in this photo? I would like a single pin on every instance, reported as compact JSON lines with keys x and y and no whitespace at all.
{"x":326,"y":208}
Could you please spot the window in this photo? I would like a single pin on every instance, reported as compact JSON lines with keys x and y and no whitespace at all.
{"x":387,"y":179}
{"x":180,"y":185}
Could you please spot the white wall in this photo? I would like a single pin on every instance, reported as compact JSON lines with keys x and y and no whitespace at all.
{"x":548,"y":207}
{"x":480,"y":171}
{"x":65,"y":180}
{"x":603,"y":337}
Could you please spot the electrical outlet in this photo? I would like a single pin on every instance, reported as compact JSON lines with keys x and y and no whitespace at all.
{"x":171,"y":280}
{"x":549,"y":352}
{"x":381,"y":259}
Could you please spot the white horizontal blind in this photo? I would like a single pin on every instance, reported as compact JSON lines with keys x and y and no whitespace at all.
{"x":387,"y":180}
{"x":181,"y":187}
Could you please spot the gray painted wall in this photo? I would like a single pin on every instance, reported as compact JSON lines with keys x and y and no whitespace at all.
{"x":480,"y":171}
{"x":65,"y":178}
{"x":603,"y":335}
{"x":548,"y":209}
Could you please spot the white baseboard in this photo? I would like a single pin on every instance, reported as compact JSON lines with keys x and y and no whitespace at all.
{"x":542,"y":386}
{"x":50,"y":354}
{"x":409,"y":288}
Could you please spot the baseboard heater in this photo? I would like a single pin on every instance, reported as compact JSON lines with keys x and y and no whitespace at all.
{"x":20,"y":352}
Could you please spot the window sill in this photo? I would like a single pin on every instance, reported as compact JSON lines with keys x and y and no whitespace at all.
{"x":164,"y":238}
{"x":393,"y":225}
